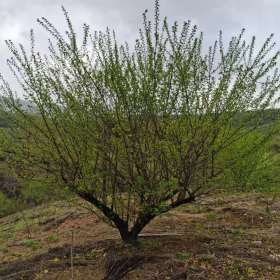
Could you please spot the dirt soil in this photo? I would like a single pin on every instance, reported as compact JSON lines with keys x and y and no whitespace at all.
{"x":223,"y":236}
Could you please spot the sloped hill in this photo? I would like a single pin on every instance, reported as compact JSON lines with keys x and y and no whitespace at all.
{"x":221,"y":237}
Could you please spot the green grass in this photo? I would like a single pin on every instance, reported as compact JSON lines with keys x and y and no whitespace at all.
{"x":183,"y":256}
{"x":211,"y":216}
{"x":3,"y":249}
{"x":53,"y":238}
{"x":31,"y":243}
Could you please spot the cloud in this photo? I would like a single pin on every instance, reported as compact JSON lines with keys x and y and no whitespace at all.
{"x":259,"y":17}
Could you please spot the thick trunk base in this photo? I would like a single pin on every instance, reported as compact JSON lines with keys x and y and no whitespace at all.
{"x":129,"y":238}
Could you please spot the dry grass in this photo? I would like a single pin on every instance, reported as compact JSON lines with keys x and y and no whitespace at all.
{"x":221,"y":237}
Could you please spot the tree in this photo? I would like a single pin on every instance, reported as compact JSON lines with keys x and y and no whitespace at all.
{"x":136,"y":131}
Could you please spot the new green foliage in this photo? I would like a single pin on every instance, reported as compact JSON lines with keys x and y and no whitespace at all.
{"x":250,"y":164}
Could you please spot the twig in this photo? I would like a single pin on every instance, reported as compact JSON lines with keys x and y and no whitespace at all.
{"x":71,"y":253}
{"x":26,"y":224}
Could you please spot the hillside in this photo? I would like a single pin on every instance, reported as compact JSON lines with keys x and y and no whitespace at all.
{"x":221,"y":237}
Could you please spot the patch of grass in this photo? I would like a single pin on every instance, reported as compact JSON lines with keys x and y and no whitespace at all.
{"x":53,"y":238}
{"x":207,"y":257}
{"x":7,"y":205}
{"x":21,"y":225}
{"x":6,"y":235}
{"x":31,"y":243}
{"x":94,"y":253}
{"x":167,"y":215}
{"x":149,"y":243}
{"x":199,"y":229}
{"x":197,"y":209}
{"x":240,"y":271}
{"x":3,"y":249}
{"x":237,"y":232}
{"x":212,"y":216}
{"x":183,"y":256}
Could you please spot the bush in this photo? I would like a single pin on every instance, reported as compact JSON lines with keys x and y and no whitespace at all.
{"x":7,"y":205}
{"x":250,"y":165}
{"x":38,"y":191}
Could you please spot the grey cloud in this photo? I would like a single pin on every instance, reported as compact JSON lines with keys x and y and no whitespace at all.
{"x":259,"y":17}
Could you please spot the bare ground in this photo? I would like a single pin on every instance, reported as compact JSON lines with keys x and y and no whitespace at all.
{"x":219,"y":237}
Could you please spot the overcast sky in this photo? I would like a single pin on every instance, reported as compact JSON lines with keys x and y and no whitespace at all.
{"x":259,"y":17}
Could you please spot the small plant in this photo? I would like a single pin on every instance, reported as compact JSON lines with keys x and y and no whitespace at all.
{"x":31,"y":243}
{"x":149,"y":243}
{"x":3,"y":249}
{"x":197,"y":209}
{"x":20,"y":225}
{"x":7,"y":205}
{"x":183,"y":256}
{"x":211,"y":216}
{"x":207,"y":257}
{"x":269,"y":202}
{"x":94,"y":253}
{"x":53,"y":238}
{"x":237,"y":232}
{"x":240,"y":271}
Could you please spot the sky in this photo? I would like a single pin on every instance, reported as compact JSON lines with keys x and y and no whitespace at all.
{"x":258,"y":17}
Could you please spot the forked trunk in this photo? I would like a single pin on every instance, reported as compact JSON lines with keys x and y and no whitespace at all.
{"x":131,"y":236}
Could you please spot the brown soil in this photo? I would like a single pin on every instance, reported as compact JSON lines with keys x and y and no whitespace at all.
{"x":221,"y":237}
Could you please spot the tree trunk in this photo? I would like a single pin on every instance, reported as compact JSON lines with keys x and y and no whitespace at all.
{"x":131,"y":236}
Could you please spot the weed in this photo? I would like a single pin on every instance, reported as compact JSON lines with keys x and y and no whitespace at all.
{"x":237,"y":232}
{"x":31,"y":243}
{"x":94,"y":253}
{"x":53,"y":238}
{"x":239,"y":271}
{"x":183,"y":256}
{"x":197,"y":209}
{"x":211,"y":216}
{"x":19,"y":226}
{"x":149,"y":243}
{"x":207,"y":257}
{"x":3,"y":249}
